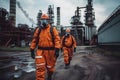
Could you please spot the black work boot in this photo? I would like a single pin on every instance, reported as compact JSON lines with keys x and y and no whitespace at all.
{"x":49,"y":76}
{"x":67,"y":66}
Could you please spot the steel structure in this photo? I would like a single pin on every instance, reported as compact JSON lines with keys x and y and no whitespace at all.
{"x":51,"y":13}
{"x":12,"y":16}
{"x":77,"y":27}
{"x":58,"y":15}
{"x":9,"y":34}
{"x":89,"y":21}
{"x":38,"y":17}
{"x":84,"y":34}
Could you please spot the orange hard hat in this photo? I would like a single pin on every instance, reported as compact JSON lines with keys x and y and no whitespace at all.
{"x":68,"y":30}
{"x":44,"y":16}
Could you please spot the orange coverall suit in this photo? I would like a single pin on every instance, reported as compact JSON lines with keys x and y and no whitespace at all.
{"x":68,"y":45}
{"x":45,"y":59}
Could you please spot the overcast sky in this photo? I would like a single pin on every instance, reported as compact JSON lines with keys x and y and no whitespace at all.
{"x":102,"y":9}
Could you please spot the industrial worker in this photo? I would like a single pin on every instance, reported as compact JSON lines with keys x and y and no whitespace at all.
{"x":47,"y":48}
{"x":68,"y":46}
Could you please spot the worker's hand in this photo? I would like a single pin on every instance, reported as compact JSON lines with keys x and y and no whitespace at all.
{"x":56,"y":52}
{"x":32,"y":53}
{"x":74,"y":49}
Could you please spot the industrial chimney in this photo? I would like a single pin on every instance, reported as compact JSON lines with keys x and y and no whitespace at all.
{"x":13,"y":12}
{"x":58,"y":15}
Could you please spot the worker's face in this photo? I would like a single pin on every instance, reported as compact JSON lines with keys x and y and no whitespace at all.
{"x":44,"y":23}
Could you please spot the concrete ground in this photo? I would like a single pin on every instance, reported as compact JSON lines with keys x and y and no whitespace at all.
{"x":88,"y":63}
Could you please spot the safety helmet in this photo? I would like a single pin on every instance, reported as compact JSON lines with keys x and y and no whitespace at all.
{"x":44,"y":16}
{"x":68,"y":30}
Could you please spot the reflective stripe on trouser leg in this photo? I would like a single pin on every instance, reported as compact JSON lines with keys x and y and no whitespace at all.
{"x":50,"y":60}
{"x":49,"y":66}
{"x":40,"y":72}
{"x":49,"y":73}
{"x":70,"y":53}
{"x":40,"y":68}
{"x":50,"y":63}
{"x":66,"y":58}
{"x":66,"y":55}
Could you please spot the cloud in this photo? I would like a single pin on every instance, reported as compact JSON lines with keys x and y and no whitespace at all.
{"x":100,"y":14}
{"x":103,"y":9}
{"x":32,"y":8}
{"x":4,"y":4}
{"x":20,"y":17}
{"x":29,"y":8}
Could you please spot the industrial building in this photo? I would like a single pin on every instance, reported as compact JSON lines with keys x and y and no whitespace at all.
{"x":108,"y":33}
{"x":9,"y":33}
{"x":83,"y":34}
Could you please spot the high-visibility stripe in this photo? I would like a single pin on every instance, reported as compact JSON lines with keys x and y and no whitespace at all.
{"x":40,"y":64}
{"x":66,"y":55}
{"x":38,"y":56}
{"x":49,"y":66}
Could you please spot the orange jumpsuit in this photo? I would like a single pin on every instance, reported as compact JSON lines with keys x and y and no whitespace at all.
{"x":45,"y":54}
{"x":68,"y":45}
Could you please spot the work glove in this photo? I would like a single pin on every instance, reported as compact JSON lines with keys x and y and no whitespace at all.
{"x":61,"y":49}
{"x":74,"y":49}
{"x":32,"y":53}
{"x":56,"y":52}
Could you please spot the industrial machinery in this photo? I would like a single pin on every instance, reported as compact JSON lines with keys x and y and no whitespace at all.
{"x":51,"y":13}
{"x":89,"y":22}
{"x":84,"y":34}
{"x":78,"y":29}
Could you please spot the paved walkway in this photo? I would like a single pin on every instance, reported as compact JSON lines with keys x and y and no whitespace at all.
{"x":88,"y":63}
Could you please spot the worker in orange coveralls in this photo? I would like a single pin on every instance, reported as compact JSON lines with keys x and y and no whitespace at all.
{"x":68,"y":46}
{"x":47,"y":48}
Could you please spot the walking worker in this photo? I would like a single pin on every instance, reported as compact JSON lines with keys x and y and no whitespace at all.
{"x":68,"y":46}
{"x":47,"y":41}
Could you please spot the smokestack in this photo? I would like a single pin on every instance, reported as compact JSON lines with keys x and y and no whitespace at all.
{"x":38,"y":17}
{"x":51,"y":14}
{"x":58,"y":15}
{"x":13,"y":12}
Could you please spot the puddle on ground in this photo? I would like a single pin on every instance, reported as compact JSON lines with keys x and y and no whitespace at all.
{"x":16,"y":66}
